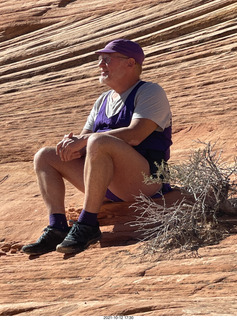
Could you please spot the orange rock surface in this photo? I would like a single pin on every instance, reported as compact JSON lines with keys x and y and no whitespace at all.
{"x":48,"y":84}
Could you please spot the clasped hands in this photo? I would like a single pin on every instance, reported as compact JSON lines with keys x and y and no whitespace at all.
{"x":70,"y":147}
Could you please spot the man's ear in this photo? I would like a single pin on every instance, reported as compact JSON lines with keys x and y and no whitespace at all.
{"x":131,"y":62}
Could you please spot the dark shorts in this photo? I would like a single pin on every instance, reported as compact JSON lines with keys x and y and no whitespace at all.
{"x":109,"y":195}
{"x":165,"y":189}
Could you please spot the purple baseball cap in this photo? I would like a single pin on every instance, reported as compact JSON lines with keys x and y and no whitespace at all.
{"x":128,"y":48}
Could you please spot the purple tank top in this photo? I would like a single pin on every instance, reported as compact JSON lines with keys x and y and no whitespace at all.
{"x":156,"y":147}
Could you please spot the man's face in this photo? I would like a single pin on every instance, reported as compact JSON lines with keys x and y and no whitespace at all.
{"x":113,"y":68}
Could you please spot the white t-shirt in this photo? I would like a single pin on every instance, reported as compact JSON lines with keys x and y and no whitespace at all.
{"x":150,"y":103}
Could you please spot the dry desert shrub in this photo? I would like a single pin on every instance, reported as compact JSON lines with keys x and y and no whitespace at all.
{"x":186,"y":224}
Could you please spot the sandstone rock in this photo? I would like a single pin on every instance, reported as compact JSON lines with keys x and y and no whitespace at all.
{"x":6,"y":247}
{"x":48,"y":83}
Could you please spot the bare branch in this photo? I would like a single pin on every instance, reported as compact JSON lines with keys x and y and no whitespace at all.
{"x":213,"y":186}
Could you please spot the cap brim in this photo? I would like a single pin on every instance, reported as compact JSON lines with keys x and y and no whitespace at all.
{"x":105,"y":51}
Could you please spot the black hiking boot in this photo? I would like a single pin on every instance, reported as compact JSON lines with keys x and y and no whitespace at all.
{"x":79,"y":238}
{"x":46,"y":243}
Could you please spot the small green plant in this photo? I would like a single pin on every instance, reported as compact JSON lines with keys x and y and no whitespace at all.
{"x":209,"y":187}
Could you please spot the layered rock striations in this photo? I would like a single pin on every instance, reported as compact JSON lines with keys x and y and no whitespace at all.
{"x":48,"y":84}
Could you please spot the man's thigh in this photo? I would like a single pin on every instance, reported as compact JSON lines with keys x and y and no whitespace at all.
{"x":72,"y":171}
{"x":129,"y":170}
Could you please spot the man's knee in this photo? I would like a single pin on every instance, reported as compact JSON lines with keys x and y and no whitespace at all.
{"x":42,"y":156}
{"x":97,"y":142}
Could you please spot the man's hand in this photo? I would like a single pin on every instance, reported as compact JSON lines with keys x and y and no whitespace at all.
{"x":70,"y":148}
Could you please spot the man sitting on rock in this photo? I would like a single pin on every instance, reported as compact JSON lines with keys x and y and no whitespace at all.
{"x":128,"y":129}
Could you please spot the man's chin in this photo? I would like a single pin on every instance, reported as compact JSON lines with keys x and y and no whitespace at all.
{"x":103,"y":79}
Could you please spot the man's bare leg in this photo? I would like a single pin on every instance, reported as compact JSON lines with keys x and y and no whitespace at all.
{"x":50,"y":172}
{"x":111,"y":162}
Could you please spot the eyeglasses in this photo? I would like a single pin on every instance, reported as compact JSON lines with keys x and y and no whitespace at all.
{"x":108,"y":59}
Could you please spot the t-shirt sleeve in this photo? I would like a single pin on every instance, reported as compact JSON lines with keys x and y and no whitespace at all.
{"x":151,"y":103}
{"x":90,"y":120}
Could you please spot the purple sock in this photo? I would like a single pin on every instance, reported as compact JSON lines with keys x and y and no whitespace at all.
{"x":88,"y":218}
{"x":58,"y":221}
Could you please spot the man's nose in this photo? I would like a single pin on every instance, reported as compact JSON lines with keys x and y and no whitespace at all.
{"x":101,"y":61}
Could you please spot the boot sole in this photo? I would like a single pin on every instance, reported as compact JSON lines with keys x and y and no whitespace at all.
{"x":62,"y":249}
{"x":37,"y":253}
